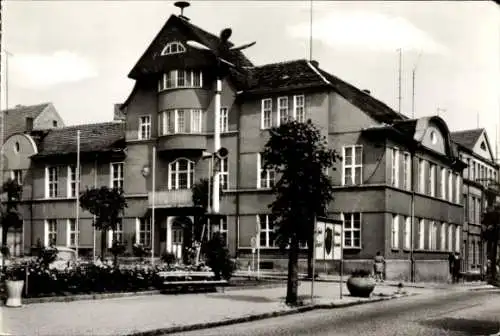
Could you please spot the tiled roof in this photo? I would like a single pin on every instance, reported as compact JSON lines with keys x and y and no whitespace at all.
{"x":467,"y":138}
{"x":149,"y":63}
{"x":15,"y":118}
{"x":100,"y":137}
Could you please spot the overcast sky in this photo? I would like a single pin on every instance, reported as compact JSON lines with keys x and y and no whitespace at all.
{"x":77,"y":54}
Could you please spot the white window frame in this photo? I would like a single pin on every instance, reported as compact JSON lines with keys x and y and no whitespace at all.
{"x":71,"y":234}
{"x":299,"y":108}
{"x":167,"y":50}
{"x":421,"y":176}
{"x":432,"y":235}
{"x":353,"y":166}
{"x":51,"y":181}
{"x":450,"y":185}
{"x":116,"y":166}
{"x":458,"y":233}
{"x":407,"y":233}
{"x":433,"y":179}
{"x":421,"y":234}
{"x":266,"y":231}
{"x":350,"y":218}
{"x":196,"y":123}
{"x":118,"y":233}
{"x":223,"y":230}
{"x":443,"y":236}
{"x":180,"y":121}
{"x":395,"y":232}
{"x":224,"y":173}
{"x":50,"y":232}
{"x":406,"y":171}
{"x":71,"y":181}
{"x":458,"y":188}
{"x":283,"y":111}
{"x":170,"y":79}
{"x":395,"y":167}
{"x":451,"y":228}
{"x":144,"y":125}
{"x":17,"y":175}
{"x":173,"y":168}
{"x":224,"y":120}
{"x":265,"y":178}
{"x":442,"y":183}
{"x":147,"y":232}
{"x":266,"y":113}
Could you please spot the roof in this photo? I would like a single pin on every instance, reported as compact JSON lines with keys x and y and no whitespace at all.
{"x":15,"y":118}
{"x":99,"y":137}
{"x":149,"y":63}
{"x":467,"y":138}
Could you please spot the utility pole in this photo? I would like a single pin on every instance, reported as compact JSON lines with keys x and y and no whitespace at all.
{"x":400,"y":51}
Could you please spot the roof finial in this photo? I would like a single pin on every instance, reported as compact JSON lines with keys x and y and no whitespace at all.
{"x":182,"y":5}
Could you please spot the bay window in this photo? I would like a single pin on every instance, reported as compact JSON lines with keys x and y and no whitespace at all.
{"x":181,"y":79}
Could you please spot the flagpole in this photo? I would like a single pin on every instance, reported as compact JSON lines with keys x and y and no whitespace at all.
{"x":93,"y":227}
{"x":77,"y":191}
{"x":153,"y":194}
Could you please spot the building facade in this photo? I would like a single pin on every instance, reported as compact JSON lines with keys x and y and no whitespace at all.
{"x":398,"y":187}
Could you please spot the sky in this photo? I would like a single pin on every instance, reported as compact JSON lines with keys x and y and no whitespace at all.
{"x":77,"y":54}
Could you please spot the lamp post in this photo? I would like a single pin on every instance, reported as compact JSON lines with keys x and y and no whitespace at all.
{"x":145,"y":172}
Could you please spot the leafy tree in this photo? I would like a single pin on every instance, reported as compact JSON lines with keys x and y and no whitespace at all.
{"x":9,"y":214}
{"x":299,"y":154}
{"x":218,"y":258}
{"x":490,"y":233}
{"x":107,"y":205}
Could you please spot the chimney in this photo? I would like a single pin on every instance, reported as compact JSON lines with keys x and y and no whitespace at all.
{"x":315,"y":63}
{"x":368,"y":92}
{"x":29,"y":124}
{"x":182,"y":5}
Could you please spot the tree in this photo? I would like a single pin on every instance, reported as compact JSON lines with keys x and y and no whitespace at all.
{"x":490,"y":233}
{"x":107,"y":205}
{"x":9,"y":214}
{"x":299,"y":154}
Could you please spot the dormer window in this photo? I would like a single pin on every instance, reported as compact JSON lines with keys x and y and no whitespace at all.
{"x":483,"y":146}
{"x":181,"y":79}
{"x":173,"y":48}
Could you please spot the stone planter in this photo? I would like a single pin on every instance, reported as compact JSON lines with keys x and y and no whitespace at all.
{"x":14,"y":292}
{"x":360,"y":286}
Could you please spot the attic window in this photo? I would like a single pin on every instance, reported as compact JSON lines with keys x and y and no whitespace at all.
{"x":54,"y":123}
{"x":433,"y":137}
{"x":17,"y":147}
{"x":173,"y":48}
{"x":483,"y":146}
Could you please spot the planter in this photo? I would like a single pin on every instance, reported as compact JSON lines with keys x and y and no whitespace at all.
{"x":360,"y":286}
{"x":14,"y":292}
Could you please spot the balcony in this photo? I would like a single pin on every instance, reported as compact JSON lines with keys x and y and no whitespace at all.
{"x":182,"y":141}
{"x":171,"y":198}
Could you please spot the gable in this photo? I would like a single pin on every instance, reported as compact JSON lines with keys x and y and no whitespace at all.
{"x":482,"y":147}
{"x":47,"y":119}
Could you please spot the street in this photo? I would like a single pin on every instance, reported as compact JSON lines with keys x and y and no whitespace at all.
{"x":446,"y":313}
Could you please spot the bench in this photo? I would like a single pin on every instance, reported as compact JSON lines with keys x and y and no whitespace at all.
{"x":186,"y":280}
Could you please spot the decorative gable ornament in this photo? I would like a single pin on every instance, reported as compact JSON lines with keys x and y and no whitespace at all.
{"x":173,"y":48}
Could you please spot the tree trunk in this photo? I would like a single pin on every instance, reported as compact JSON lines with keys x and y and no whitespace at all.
{"x":310,"y":247}
{"x":293,"y":274}
{"x":493,"y":255}
{"x":103,"y":244}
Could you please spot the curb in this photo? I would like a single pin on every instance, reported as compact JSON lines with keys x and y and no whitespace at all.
{"x":256,"y":317}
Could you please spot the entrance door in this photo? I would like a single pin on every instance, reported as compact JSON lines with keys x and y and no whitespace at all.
{"x":177,"y":240}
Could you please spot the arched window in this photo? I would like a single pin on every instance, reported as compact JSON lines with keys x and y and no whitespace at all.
{"x":173,"y":48}
{"x":180,"y":174}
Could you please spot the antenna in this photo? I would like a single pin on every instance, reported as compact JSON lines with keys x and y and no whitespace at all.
{"x":399,"y":78}
{"x":413,"y":85}
{"x":182,"y":5}
{"x":310,"y":30}
{"x":477,"y":119}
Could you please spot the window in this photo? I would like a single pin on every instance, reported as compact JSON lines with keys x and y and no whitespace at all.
{"x":458,"y":191}
{"x":395,"y":232}
{"x":116,"y":235}
{"x":181,"y":121}
{"x":450,"y":237}
{"x":223,"y":228}
{"x":407,"y":233}
{"x":442,"y":183}
{"x":474,"y":170}
{"x":17,"y":147}
{"x":181,"y":174}
{"x":443,"y":237}
{"x":472,"y":210}
{"x":265,"y":177}
{"x":173,"y":48}
{"x":266,"y":113}
{"x":176,"y":121}
{"x":224,"y":120}
{"x":432,"y":235}
{"x":457,"y":238}
{"x":17,"y":175}
{"x":421,"y":176}
{"x":299,"y":111}
{"x":421,"y":234}
{"x":406,"y":171}
{"x":181,"y":79}
{"x":467,"y":170}
{"x":432,"y":179}
{"x":282,"y":110}
{"x":224,"y":174}
{"x":71,"y":238}
{"x":144,"y":127}
{"x":352,"y":230}
{"x":395,"y":167}
{"x":267,"y":235}
{"x":54,"y":123}
{"x":51,"y":182}
{"x":450,"y":186}
{"x":50,"y":232}
{"x":477,"y":211}
{"x":72,"y":179}
{"x":352,"y":165}
{"x":117,"y":175}
{"x":169,"y":122}
{"x":143,"y":231}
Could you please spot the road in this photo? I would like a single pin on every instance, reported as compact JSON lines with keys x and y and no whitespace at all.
{"x":448,"y":314}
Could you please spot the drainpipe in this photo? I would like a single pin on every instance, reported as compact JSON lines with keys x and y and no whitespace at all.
{"x":412,"y":222}
{"x":238,"y":177}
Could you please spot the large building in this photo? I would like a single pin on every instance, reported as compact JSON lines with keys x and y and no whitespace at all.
{"x":398,"y":187}
{"x":480,"y":175}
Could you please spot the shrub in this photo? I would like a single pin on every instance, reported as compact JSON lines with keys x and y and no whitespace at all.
{"x":169,"y":258}
{"x":140,"y":251}
{"x":117,"y":249}
{"x":218,"y":259}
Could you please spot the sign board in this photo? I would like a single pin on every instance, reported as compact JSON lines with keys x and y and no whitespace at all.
{"x":328,"y":243}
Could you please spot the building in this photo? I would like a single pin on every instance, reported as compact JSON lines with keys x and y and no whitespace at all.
{"x":481,"y":174}
{"x":398,"y":187}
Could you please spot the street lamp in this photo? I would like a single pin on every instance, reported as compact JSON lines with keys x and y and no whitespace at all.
{"x":146,"y":170}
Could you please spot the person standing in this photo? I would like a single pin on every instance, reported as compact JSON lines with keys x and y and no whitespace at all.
{"x":378,"y":267}
{"x":451,"y":262}
{"x":456,"y":268}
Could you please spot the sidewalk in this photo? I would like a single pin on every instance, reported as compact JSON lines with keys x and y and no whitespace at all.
{"x":126,"y":316}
